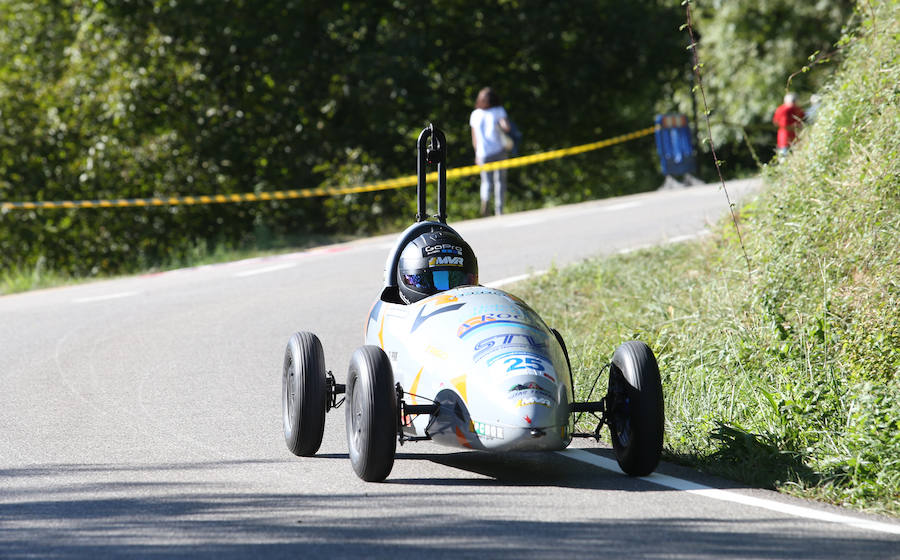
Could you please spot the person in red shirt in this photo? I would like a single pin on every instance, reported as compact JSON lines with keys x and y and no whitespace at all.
{"x":788,"y":116}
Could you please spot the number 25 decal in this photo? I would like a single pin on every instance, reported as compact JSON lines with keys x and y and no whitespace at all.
{"x":527,"y":363}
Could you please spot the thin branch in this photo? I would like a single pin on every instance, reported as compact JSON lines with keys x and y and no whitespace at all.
{"x":712,"y":146}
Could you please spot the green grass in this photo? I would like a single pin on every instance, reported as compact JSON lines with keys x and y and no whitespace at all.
{"x":787,"y":377}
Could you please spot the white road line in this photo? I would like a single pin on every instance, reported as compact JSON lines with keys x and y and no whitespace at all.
{"x":511,"y":279}
{"x":620,"y":206}
{"x":633,"y":249}
{"x":104,"y":297}
{"x":569,"y":214}
{"x":688,"y":237}
{"x":527,"y":221}
{"x":726,"y":496}
{"x":265,"y":270}
{"x":676,"y":239}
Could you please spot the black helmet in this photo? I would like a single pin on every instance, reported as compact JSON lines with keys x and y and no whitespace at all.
{"x":434,"y":262}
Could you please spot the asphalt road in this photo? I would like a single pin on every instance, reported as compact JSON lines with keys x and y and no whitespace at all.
{"x":141,"y":417}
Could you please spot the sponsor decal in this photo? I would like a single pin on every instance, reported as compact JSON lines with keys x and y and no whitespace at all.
{"x":508,"y":307}
{"x":531,"y":394}
{"x":505,"y":341}
{"x":526,"y":386}
{"x":527,"y":401}
{"x":437,"y":352}
{"x":530,"y":391}
{"x":441,"y":249}
{"x":486,"y":431}
{"x":494,"y":308}
{"x":421,"y":317}
{"x":482,"y":291}
{"x":517,"y":361}
{"x":442,"y":299}
{"x":528,"y":419}
{"x":485,"y":319}
{"x":392,"y":356}
{"x":520,"y":363}
{"x":445,"y":261}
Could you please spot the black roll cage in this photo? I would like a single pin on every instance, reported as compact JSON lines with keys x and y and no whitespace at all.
{"x":434,"y":153}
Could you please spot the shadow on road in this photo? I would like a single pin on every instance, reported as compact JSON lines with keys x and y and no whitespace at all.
{"x":115,"y":512}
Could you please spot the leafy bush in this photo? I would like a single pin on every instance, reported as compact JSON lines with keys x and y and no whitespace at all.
{"x":788,"y":377}
{"x":141,"y":98}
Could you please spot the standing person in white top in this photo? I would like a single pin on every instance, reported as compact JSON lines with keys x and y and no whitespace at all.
{"x":488,"y":118}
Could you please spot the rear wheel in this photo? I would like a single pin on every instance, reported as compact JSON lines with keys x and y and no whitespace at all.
{"x":371,"y":414}
{"x":635,"y":408}
{"x":303,"y":392}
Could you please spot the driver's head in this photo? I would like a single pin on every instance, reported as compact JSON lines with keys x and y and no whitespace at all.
{"x":434,"y":262}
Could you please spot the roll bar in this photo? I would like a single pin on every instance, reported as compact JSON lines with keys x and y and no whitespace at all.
{"x":433,"y":152}
{"x":436,"y":153}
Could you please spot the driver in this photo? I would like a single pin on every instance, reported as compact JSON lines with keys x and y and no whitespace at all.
{"x":434,"y":262}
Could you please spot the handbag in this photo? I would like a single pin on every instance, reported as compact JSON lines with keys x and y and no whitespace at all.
{"x":505,"y":139}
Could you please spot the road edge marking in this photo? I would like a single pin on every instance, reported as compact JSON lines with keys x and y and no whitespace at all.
{"x":512,"y":279}
{"x":265,"y":270}
{"x":734,"y":497}
{"x":688,"y":237}
{"x":104,"y":297}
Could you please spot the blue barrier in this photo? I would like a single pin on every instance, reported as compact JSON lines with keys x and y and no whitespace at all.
{"x":673,"y":143}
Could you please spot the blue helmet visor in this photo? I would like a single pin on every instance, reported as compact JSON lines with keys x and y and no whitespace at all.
{"x":431,"y":282}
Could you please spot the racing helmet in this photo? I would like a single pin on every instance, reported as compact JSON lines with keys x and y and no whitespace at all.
{"x":434,"y":262}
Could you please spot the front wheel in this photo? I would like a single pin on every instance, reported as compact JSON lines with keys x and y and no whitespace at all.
{"x":303,"y":393}
{"x":635,"y":408}
{"x":371,"y":414}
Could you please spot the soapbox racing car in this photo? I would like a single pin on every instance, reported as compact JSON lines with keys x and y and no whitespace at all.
{"x":468,"y":366}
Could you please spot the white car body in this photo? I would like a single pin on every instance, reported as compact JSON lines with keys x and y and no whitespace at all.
{"x":498,"y":371}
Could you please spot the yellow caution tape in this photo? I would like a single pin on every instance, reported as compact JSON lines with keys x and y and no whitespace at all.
{"x":397,"y":183}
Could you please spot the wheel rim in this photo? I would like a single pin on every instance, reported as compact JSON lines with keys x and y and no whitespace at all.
{"x":623,"y":432}
{"x":621,"y":404}
{"x":356,"y":417}
{"x":290,"y":389}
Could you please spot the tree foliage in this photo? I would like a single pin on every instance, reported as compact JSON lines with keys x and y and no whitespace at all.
{"x":139,"y":98}
{"x":749,"y":51}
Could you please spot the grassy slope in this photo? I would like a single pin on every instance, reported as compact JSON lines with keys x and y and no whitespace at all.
{"x":789,"y":377}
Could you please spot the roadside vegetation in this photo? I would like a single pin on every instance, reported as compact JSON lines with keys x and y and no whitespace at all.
{"x":144,"y":98}
{"x":787,"y":376}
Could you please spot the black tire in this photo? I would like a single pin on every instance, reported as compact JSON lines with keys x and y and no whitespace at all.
{"x":635,"y":408}
{"x":303,"y":393}
{"x":371,"y":414}
{"x":562,"y":344}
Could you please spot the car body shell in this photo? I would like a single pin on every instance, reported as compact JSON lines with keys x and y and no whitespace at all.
{"x":499,"y":373}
